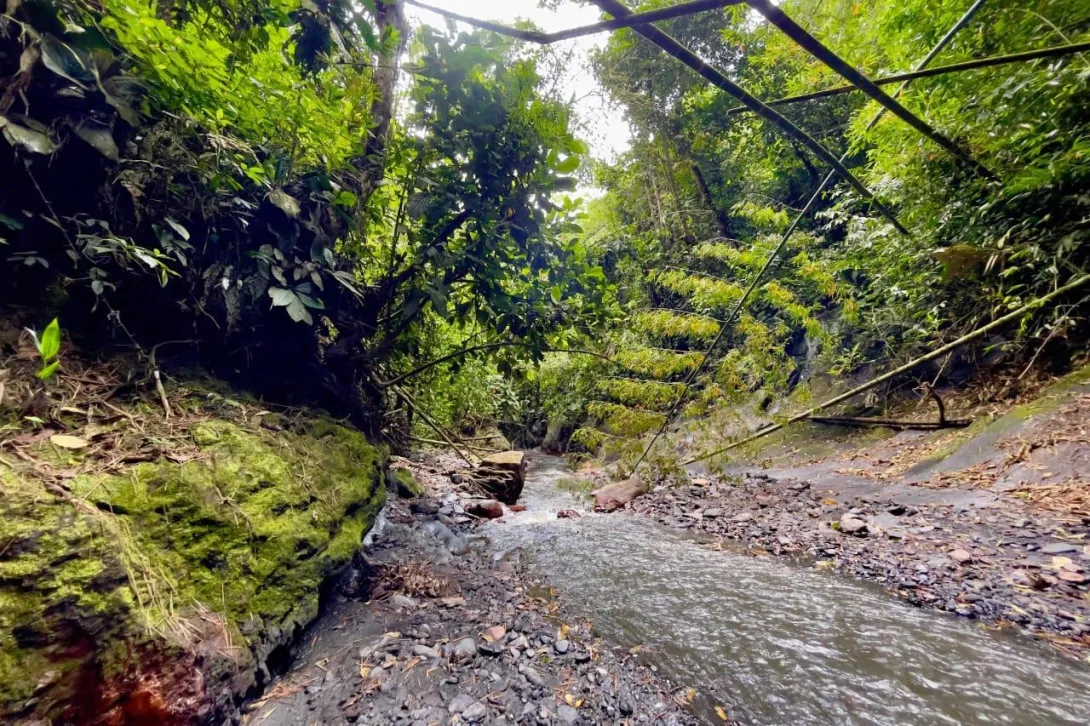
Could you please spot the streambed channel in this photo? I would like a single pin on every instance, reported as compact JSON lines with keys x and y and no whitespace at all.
{"x":776,"y":642}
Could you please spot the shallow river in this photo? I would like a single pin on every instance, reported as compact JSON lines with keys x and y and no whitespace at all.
{"x":777,"y":642}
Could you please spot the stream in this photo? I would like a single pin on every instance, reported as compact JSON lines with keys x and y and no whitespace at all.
{"x":777,"y":642}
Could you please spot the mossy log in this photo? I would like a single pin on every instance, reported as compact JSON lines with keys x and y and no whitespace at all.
{"x":166,"y":594}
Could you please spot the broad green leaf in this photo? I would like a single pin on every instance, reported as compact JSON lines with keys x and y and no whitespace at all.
{"x":47,"y":372}
{"x":568,"y":165}
{"x":63,"y":61}
{"x":299,"y":312}
{"x":310,"y":302}
{"x":345,"y":198}
{"x":51,"y":341}
{"x":282,"y":296}
{"x":285,"y":203}
{"x":100,"y":138}
{"x":29,"y":139}
{"x":177,"y":227}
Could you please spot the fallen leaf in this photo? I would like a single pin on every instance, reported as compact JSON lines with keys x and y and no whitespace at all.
{"x":495,"y":633}
{"x":721,"y":713}
{"x":365,"y":670}
{"x":67,"y":442}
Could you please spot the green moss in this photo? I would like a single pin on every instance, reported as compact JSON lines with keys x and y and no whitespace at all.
{"x":248,"y":531}
{"x":405,"y":483}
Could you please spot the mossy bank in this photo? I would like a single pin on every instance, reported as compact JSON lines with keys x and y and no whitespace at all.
{"x":165,"y":590}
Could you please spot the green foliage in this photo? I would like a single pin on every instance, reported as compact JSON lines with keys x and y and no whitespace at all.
{"x":692,"y":211}
{"x":668,"y":324}
{"x":49,"y":348}
{"x":248,"y":88}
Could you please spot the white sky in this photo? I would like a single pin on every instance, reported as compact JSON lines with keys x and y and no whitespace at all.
{"x":602,"y":126}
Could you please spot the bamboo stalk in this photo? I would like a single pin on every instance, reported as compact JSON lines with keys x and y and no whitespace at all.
{"x":814,"y":47}
{"x":890,"y":423}
{"x":534,"y":36}
{"x":676,"y":50}
{"x":436,"y":442}
{"x":786,"y":236}
{"x":937,"y":353}
{"x":990,"y":62}
{"x":433,"y":426}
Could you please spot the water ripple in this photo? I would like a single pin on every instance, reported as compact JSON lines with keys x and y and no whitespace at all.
{"x":783,"y":644}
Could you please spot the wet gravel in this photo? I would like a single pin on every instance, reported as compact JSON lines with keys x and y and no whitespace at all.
{"x":451,"y":634}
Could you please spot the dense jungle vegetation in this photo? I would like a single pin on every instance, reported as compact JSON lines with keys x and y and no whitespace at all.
{"x":317,"y":201}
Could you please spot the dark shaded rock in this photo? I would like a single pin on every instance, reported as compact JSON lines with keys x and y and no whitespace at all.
{"x":501,"y":475}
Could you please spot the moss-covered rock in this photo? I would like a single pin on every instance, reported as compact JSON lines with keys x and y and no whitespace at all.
{"x":159,"y":593}
{"x":402,"y":481}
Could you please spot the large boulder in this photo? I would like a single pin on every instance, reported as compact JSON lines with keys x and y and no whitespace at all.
{"x":501,"y":475}
{"x":166,"y":593}
{"x":617,"y":494}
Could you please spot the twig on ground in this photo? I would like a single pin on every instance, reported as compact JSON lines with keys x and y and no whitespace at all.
{"x":162,"y":393}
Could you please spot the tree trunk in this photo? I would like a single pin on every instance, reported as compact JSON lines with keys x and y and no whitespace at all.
{"x":372,"y":163}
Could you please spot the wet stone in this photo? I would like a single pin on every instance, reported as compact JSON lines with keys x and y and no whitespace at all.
{"x":1058,"y":548}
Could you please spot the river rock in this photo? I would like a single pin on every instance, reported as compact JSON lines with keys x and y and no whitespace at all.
{"x":460,"y":703}
{"x":851,"y":524}
{"x":476,"y":712}
{"x":399,"y":477}
{"x":464,"y":649}
{"x":501,"y":475}
{"x":961,"y":556}
{"x":618,"y":494}
{"x":567,"y":714}
{"x":1058,"y":548}
{"x":485,"y":509}
{"x":425,"y":651}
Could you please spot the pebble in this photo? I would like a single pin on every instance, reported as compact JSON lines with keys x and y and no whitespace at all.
{"x":850,"y":524}
{"x":475,"y":712}
{"x":1058,"y":548}
{"x":460,"y":703}
{"x":961,"y":556}
{"x":567,"y":714}
{"x":425,"y":651}
{"x":464,"y":649}
{"x":561,"y":646}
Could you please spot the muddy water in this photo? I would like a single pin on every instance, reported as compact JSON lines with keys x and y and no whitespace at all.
{"x":777,"y":642}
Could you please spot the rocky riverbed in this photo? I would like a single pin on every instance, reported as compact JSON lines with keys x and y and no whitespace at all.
{"x":994,"y":527}
{"x":447,"y":633}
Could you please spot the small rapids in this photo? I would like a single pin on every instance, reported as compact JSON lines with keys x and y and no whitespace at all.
{"x":777,"y":642}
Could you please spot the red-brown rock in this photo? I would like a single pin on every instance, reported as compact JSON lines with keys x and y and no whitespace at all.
{"x":485,"y":509}
{"x":618,"y":494}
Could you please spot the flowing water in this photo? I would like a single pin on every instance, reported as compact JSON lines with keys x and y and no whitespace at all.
{"x":775,"y":641}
